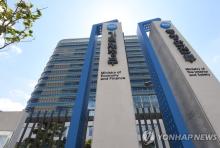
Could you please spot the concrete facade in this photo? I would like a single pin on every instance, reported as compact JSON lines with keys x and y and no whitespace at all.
{"x":195,"y":87}
{"x":114,"y":121}
{"x":122,"y":98}
{"x":12,"y":122}
{"x":9,"y":120}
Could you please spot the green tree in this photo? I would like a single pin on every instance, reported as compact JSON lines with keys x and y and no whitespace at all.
{"x":16,"y":22}
{"x":88,"y":144}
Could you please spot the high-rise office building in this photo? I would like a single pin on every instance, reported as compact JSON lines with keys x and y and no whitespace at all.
{"x":119,"y":91}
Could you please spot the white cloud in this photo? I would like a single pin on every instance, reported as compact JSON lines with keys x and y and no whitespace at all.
{"x":16,"y":99}
{"x":19,"y":95}
{"x":15,"y":49}
{"x":7,"y":104}
{"x":10,"y":51}
{"x":2,"y":41}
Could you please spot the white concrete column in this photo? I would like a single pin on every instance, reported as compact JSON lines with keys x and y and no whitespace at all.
{"x":114,"y":122}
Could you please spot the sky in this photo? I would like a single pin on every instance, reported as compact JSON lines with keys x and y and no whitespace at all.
{"x":22,"y":64}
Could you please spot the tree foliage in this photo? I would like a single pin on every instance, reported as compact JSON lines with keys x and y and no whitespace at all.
{"x":47,"y":135}
{"x":16,"y":22}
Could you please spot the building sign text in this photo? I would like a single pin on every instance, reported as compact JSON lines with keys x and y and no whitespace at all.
{"x":197,"y":72}
{"x":182,"y":48}
{"x":111,"y":75}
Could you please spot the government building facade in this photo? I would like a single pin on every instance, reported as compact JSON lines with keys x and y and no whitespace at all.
{"x":116,"y":91}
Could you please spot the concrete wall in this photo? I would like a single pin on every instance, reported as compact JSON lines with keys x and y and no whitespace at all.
{"x":114,"y":122}
{"x":9,"y":120}
{"x":197,"y":95}
{"x":13,"y":122}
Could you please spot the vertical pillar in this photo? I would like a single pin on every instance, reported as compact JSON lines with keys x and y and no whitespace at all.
{"x":78,"y":119}
{"x":173,"y":119}
{"x":76,"y":129}
{"x":114,"y":122}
